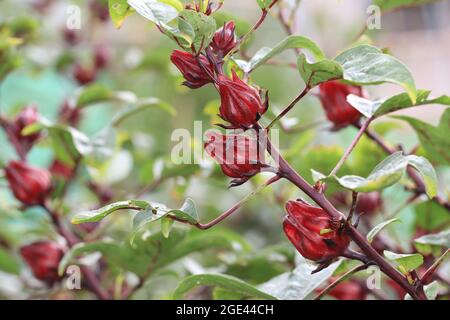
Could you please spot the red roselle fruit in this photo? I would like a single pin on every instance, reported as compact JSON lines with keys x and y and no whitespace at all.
{"x":42,"y":6}
{"x":70,"y":113}
{"x":333,"y":95}
{"x":347,"y":290}
{"x":224,"y":40}
{"x":27,"y":116}
{"x":43,"y":257}
{"x":101,"y":57}
{"x":369,"y":203}
{"x":240,"y":103}
{"x":238,"y":156}
{"x":84,"y":74}
{"x":303,"y":226}
{"x":194,"y":74}
{"x":100,"y":10}
{"x":71,"y":36}
{"x":29,"y":185}
{"x":62,"y":170}
{"x":196,"y":7}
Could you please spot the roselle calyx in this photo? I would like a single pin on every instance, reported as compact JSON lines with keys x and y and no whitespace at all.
{"x":311,"y":231}
{"x":224,"y":40}
{"x":240,"y":103}
{"x":30,"y":185}
{"x":84,"y":74}
{"x":333,"y":96}
{"x":369,"y":203}
{"x":70,"y":113}
{"x":43,"y":258}
{"x":61,"y":170}
{"x":14,"y":128}
{"x":195,"y":74}
{"x":347,"y":290}
{"x":239,"y":156}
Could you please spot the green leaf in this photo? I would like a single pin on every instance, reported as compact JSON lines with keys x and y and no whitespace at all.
{"x":8,"y":263}
{"x":425,"y":244}
{"x":435,"y":140}
{"x":365,"y":106}
{"x":426,"y":170}
{"x":93,"y":94}
{"x":314,"y":73}
{"x":405,"y":262}
{"x":372,"y":233}
{"x":299,"y":283}
{"x":385,"y":174}
{"x":264,"y":4}
{"x":142,"y":105}
{"x":365,"y":64}
{"x":166,"y":226}
{"x":291,"y":42}
{"x":188,"y":212}
{"x":219,"y":280}
{"x":431,"y":291}
{"x":431,"y":216}
{"x":403,"y":101}
{"x":99,"y":214}
{"x":113,"y":253}
{"x":156,"y":11}
{"x":388,"y":5}
{"x":202,"y":27}
{"x":119,"y":10}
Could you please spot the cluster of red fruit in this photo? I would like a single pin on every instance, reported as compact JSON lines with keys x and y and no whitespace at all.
{"x":32,"y":186}
{"x":241,"y":107}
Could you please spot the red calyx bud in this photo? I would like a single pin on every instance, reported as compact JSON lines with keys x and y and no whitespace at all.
{"x":27,"y":116}
{"x":187,"y":63}
{"x":30,"y":185}
{"x":240,"y":104}
{"x":369,"y":203}
{"x":60,"y":169}
{"x":43,"y":257}
{"x":70,"y":113}
{"x":347,"y":290}
{"x":83,"y":74}
{"x":239,"y":156}
{"x":333,"y":95}
{"x":100,"y":10}
{"x":42,"y":6}
{"x":196,"y":7}
{"x":303,"y":226}
{"x":224,"y":39}
{"x":101,"y":57}
{"x":71,"y":36}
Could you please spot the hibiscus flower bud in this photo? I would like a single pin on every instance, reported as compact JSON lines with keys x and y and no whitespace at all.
{"x":43,"y":257}
{"x":71,"y":36}
{"x":101,"y":57}
{"x":29,"y":185}
{"x":62,"y":170}
{"x":333,"y":95}
{"x":70,"y":113}
{"x":224,"y":39}
{"x":27,"y":116}
{"x":310,"y":230}
{"x":240,"y":104}
{"x":84,"y":74}
{"x":239,"y":156}
{"x":194,"y":74}
{"x":369,"y":203}
{"x":347,"y":290}
{"x":100,"y":10}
